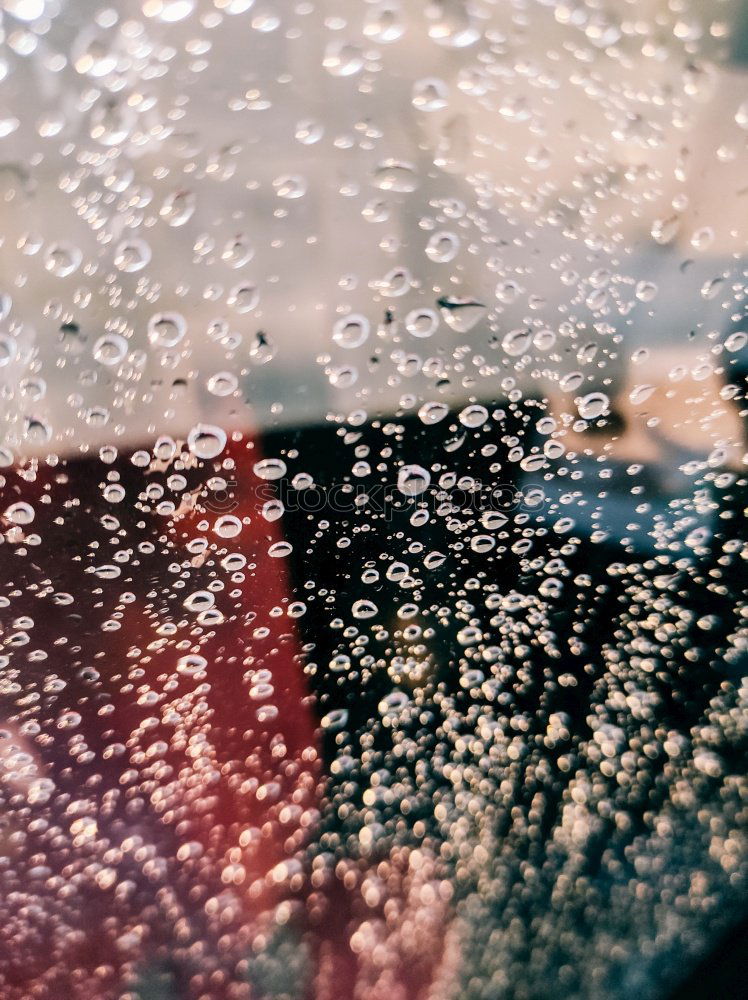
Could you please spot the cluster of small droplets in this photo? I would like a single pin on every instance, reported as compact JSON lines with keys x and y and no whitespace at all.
{"x":372,"y":497}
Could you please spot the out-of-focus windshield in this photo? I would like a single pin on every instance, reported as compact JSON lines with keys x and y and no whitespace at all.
{"x":372,"y":495}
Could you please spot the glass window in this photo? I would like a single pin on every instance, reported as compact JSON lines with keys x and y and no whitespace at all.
{"x":372,"y":499}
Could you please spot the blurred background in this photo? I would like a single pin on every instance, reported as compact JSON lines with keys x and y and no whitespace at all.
{"x":470,"y":276}
{"x":493,"y":154}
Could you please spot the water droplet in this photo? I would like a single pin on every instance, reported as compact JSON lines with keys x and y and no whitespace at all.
{"x":641,"y":393}
{"x":272,"y":510}
{"x":114,"y":493}
{"x":571,"y":382}
{"x":593,"y":405}
{"x":168,"y":11}
{"x":364,"y":609}
{"x":397,"y":176}
{"x":206,"y":441}
{"x":110,"y":349}
{"x":309,"y":131}
{"x":62,"y":259}
{"x":664,"y":231}
{"x":452,"y":26}
{"x":178,"y":208}
{"x":237,"y":252}
{"x":351,"y":331}
{"x":703,"y":238}
{"x":201,"y":600}
{"x":384,"y":22}
{"x":290,"y":186}
{"x":223,"y":384}
{"x":343,"y":59}
{"x":433,"y":412}
{"x":191,"y":664}
{"x":736,"y":341}
{"x":412,"y":480}
{"x":336,"y":720}
{"x":482,"y":543}
{"x":278,"y":550}
{"x":442,"y":247}
{"x":646,"y":291}
{"x":711,"y":289}
{"x":430,"y":94}
{"x":166,"y":329}
{"x":421,"y":323}
{"x":473,"y":416}
{"x":132,"y":256}
{"x":24,"y":10}
{"x":227,"y":526}
{"x":517,"y":342}
{"x":21,"y":513}
{"x":8,"y":349}
{"x":461,"y":314}
{"x":244,"y":297}
{"x":270,"y":468}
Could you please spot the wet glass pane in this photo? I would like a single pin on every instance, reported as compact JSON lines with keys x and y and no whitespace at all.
{"x":372,"y":499}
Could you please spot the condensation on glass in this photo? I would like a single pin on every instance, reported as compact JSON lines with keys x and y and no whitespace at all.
{"x":372,"y":497}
